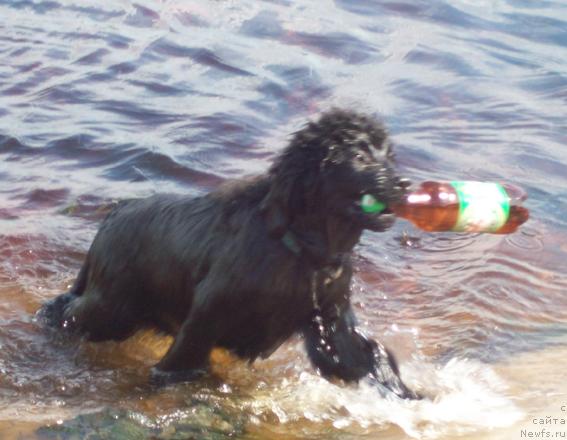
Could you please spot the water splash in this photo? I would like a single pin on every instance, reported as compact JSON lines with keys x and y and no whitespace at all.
{"x":468,"y":397}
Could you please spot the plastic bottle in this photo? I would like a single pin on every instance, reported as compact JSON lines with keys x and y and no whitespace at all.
{"x":461,"y":206}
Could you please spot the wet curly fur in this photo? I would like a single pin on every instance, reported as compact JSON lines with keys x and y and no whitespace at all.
{"x":250,"y":264}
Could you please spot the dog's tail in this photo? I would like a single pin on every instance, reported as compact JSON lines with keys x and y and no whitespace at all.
{"x":52,"y":313}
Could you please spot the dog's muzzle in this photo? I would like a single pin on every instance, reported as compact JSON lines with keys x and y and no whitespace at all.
{"x":374,"y":205}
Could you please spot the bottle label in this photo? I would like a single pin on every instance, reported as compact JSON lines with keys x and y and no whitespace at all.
{"x":483,"y":206}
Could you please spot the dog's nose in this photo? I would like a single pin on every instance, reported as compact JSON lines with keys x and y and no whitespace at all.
{"x":399,"y":189}
{"x":403,"y":186}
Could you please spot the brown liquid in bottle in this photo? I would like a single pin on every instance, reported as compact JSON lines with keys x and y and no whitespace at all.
{"x":464,"y":206}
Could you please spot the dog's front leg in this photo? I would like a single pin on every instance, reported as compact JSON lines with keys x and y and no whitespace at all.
{"x":338,"y":349}
{"x":188,"y":356}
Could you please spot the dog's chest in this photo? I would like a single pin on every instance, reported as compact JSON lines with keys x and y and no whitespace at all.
{"x":330,"y":286}
{"x":283,"y":305}
{"x":324,"y":288}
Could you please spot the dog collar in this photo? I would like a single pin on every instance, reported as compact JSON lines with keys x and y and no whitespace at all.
{"x":318,"y":258}
{"x":290,"y":241}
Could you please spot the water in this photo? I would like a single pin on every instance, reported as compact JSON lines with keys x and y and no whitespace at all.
{"x":108,"y":100}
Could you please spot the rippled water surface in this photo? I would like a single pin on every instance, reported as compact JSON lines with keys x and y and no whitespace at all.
{"x":107,"y":100}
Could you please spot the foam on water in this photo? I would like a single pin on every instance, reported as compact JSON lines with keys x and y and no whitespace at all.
{"x":463,"y":396}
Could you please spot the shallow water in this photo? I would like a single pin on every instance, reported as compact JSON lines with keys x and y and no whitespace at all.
{"x":108,"y":100}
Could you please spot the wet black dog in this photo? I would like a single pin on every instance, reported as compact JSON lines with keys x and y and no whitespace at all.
{"x":250,"y":264}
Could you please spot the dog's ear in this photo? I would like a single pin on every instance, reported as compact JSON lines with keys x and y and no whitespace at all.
{"x":276,"y":206}
{"x":294,"y":179}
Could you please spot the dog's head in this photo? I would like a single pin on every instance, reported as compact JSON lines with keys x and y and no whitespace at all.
{"x":327,"y":169}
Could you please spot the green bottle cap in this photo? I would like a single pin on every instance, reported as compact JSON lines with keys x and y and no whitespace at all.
{"x":370,"y":205}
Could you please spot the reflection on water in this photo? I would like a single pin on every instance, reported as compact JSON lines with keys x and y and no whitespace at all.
{"x":101,"y":101}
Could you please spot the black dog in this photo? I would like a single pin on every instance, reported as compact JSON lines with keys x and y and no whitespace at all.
{"x":250,"y":264}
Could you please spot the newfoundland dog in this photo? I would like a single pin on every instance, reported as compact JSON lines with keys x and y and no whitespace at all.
{"x":250,"y":264}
